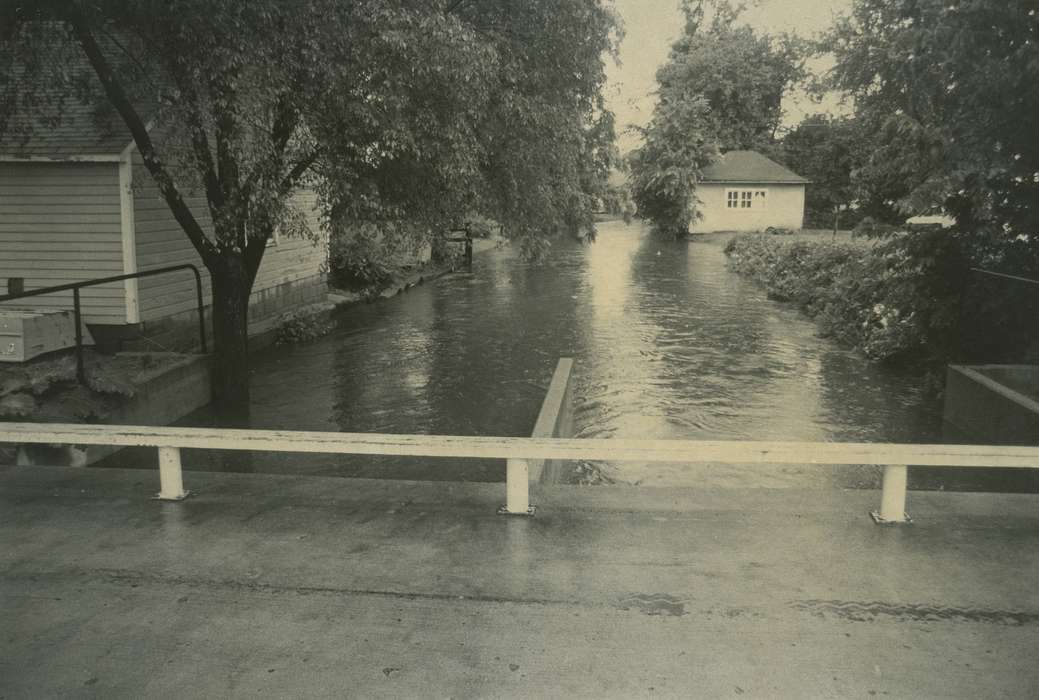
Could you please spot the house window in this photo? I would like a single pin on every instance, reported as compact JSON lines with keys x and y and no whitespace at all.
{"x":746,"y":199}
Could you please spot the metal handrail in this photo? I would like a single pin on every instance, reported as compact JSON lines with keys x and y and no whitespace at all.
{"x":1003,"y":275}
{"x":76,"y":286}
{"x":982,"y":337}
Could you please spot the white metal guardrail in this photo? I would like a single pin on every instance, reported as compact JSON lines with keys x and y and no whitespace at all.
{"x":518,"y":450}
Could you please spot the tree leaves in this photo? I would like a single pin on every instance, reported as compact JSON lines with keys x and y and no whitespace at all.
{"x":827,"y":151}
{"x":720,"y":89}
{"x":947,"y":91}
{"x":395,"y":109}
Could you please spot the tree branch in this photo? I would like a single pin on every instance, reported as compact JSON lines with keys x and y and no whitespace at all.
{"x":224,"y":107}
{"x":126,"y":52}
{"x":256,"y":246}
{"x":297,"y":171}
{"x":286,"y":119}
{"x":200,"y":147}
{"x":454,"y":6}
{"x":254,"y":250}
{"x":117,"y":96}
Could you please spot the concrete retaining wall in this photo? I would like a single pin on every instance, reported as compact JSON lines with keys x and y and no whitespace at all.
{"x":556,"y":419}
{"x":161,"y":400}
{"x":988,"y":404}
{"x":179,"y":333}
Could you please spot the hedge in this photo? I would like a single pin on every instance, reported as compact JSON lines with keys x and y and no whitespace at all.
{"x":882,"y":298}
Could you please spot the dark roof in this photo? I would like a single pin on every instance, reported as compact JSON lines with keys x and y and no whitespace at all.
{"x":61,"y":125}
{"x":78,"y":133}
{"x":749,"y":167}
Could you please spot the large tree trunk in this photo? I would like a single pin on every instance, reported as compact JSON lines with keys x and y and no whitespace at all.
{"x":232,"y":285}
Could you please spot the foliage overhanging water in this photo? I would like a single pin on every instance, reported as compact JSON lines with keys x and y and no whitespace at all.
{"x":667,"y":344}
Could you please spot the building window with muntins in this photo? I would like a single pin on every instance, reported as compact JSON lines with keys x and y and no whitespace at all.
{"x":746,"y":199}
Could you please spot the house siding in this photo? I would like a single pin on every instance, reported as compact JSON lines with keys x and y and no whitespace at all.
{"x":784,"y":208}
{"x":60,"y":223}
{"x":161,"y":242}
{"x":292,"y":259}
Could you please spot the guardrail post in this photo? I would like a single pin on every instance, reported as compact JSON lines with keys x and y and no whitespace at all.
{"x":893,"y":496}
{"x":517,"y":489}
{"x":171,"y":481}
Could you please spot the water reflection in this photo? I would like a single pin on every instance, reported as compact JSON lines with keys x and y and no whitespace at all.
{"x":667,"y":342}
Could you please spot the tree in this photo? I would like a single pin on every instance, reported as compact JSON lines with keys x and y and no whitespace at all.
{"x":720,"y":89}
{"x":741,"y":74}
{"x":826,"y":150}
{"x":676,"y":147}
{"x":947,"y":92}
{"x":394,"y":111}
{"x":546,"y":136}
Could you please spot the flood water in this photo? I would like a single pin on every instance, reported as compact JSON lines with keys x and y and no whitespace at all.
{"x":667,"y":343}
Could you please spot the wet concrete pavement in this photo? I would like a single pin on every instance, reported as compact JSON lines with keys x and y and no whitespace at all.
{"x":265,"y":585}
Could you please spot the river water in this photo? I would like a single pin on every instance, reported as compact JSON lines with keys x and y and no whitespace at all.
{"x":667,"y":343}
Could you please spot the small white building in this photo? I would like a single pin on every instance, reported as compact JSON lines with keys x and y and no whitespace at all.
{"x":76,"y":204}
{"x":745,"y":191}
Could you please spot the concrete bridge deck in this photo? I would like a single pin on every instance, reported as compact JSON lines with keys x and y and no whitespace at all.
{"x":276,"y":586}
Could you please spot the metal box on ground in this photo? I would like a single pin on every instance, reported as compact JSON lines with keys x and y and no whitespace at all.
{"x":25,"y":334}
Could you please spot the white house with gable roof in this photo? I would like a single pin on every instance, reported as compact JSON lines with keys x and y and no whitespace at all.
{"x":745,"y":191}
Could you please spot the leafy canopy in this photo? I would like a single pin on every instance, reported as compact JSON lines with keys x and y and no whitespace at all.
{"x":720,"y":89}
{"x":742,"y":74}
{"x":405,"y":115}
{"x":393,"y":110}
{"x":827,"y":151}
{"x":947,"y":90}
{"x":677,"y":145}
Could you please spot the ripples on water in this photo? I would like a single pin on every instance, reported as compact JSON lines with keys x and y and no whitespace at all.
{"x":667,"y":344}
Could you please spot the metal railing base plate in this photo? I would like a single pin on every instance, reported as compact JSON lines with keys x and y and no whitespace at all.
{"x":181,"y":497}
{"x":504,"y":510}
{"x":882,"y":521}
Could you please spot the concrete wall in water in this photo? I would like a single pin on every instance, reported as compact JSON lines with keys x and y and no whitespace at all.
{"x":556,"y":419}
{"x":992,"y":404}
{"x":162,"y":399}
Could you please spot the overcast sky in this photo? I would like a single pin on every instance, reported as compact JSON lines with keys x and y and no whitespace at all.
{"x":650,"y":27}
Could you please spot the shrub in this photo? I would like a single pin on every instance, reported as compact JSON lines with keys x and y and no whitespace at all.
{"x":359,"y":264}
{"x":481,"y":227}
{"x":302,"y":327}
{"x":894,"y":300}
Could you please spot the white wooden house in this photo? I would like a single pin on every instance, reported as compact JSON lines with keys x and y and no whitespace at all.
{"x":745,"y":191}
{"x":76,"y":203}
